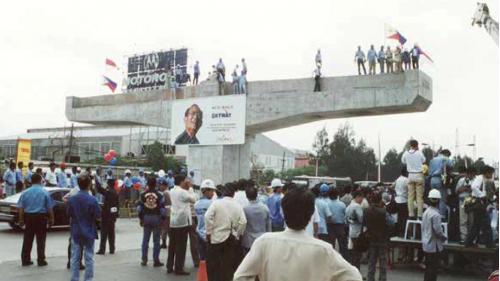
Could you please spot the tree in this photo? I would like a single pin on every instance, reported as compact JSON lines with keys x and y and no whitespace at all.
{"x":155,"y":156}
{"x":428,"y":153}
{"x":172,"y":164}
{"x":320,"y":146}
{"x":391,"y":165}
{"x":347,"y":158}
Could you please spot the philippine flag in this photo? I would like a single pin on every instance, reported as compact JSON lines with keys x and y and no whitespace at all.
{"x":421,"y":52}
{"x":111,"y":63}
{"x":110,"y":83}
{"x":392,"y":33}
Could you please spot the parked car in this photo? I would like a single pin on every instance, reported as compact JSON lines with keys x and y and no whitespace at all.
{"x":9,"y":212}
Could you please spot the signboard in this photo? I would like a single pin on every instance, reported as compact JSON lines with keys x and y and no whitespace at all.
{"x":153,"y":70}
{"x":209,"y":121}
{"x":23,"y":153}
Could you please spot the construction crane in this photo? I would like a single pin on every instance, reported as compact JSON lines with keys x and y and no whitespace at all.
{"x":482,"y":17}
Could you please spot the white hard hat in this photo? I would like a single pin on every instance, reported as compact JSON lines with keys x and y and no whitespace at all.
{"x":434,"y":194}
{"x":209,"y":184}
{"x":161,"y":173}
{"x":128,"y":171}
{"x":276,"y":183}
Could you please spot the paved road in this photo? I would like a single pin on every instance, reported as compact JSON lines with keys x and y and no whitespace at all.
{"x":128,"y":232}
{"x":124,"y":265}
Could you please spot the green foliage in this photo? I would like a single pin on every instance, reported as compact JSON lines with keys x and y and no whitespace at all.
{"x":391,"y":165}
{"x":155,"y":156}
{"x":460,"y":163}
{"x":267,"y":176}
{"x":306,"y":170}
{"x":346,"y":157}
{"x":320,"y":145}
{"x":428,"y":153}
{"x":172,"y":164}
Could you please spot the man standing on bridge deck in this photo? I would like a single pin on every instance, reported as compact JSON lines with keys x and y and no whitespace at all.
{"x":221,"y":68}
{"x":196,"y":72}
{"x":432,"y":236}
{"x":317,"y":59}
{"x":388,"y":59}
{"x":381,"y":59}
{"x":360,"y":58}
{"x":317,"y":78}
{"x":372,"y":60}
{"x":35,"y":210}
{"x":415,"y":55}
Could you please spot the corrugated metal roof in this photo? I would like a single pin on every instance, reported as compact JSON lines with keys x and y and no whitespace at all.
{"x":97,"y":132}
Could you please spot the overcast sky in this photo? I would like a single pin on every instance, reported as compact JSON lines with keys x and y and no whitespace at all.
{"x":52,"y":49}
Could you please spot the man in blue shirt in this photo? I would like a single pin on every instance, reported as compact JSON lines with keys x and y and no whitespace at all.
{"x":381,"y":58}
{"x":127,"y":186}
{"x":200,"y":208}
{"x":61,"y":176}
{"x":9,"y":177}
{"x":83,"y":211}
{"x":439,"y":167}
{"x":35,"y":211}
{"x":19,"y":177}
{"x":170,"y":180}
{"x":258,"y":219}
{"x":372,"y":60}
{"x":336,"y":228}
{"x":325,"y":215}
{"x":360,"y":59}
{"x":274,"y":205}
{"x":29,"y":173}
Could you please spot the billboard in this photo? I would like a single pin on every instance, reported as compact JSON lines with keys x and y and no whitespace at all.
{"x":23,"y":153}
{"x":153,"y":70}
{"x":209,"y":121}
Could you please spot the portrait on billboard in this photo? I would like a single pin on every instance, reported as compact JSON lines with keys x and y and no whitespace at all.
{"x":216,"y":120}
{"x":193,"y":120}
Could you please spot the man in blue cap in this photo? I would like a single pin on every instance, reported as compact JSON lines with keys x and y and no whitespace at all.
{"x":325,"y":215}
{"x":170,"y":179}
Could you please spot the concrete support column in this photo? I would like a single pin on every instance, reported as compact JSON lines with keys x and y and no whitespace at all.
{"x":221,"y":163}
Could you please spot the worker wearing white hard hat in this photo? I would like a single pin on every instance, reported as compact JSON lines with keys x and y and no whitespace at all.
{"x":276,"y":183}
{"x":274,"y":205}
{"x":208,"y":184}
{"x":161,"y":173}
{"x":200,"y":208}
{"x":433,"y":235}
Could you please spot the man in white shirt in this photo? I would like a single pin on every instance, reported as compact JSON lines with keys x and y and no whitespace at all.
{"x":292,"y":254}
{"x":225,"y":223}
{"x":180,"y":222}
{"x":401,"y":188}
{"x":414,"y":160}
{"x":481,"y":222}
{"x":51,"y":176}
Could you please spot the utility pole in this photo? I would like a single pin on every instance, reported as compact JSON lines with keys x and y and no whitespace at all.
{"x":379,"y":161}
{"x":70,"y":142}
{"x":283,"y":165}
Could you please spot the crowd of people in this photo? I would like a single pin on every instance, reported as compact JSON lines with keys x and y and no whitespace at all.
{"x":389,"y":60}
{"x":231,"y":227}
